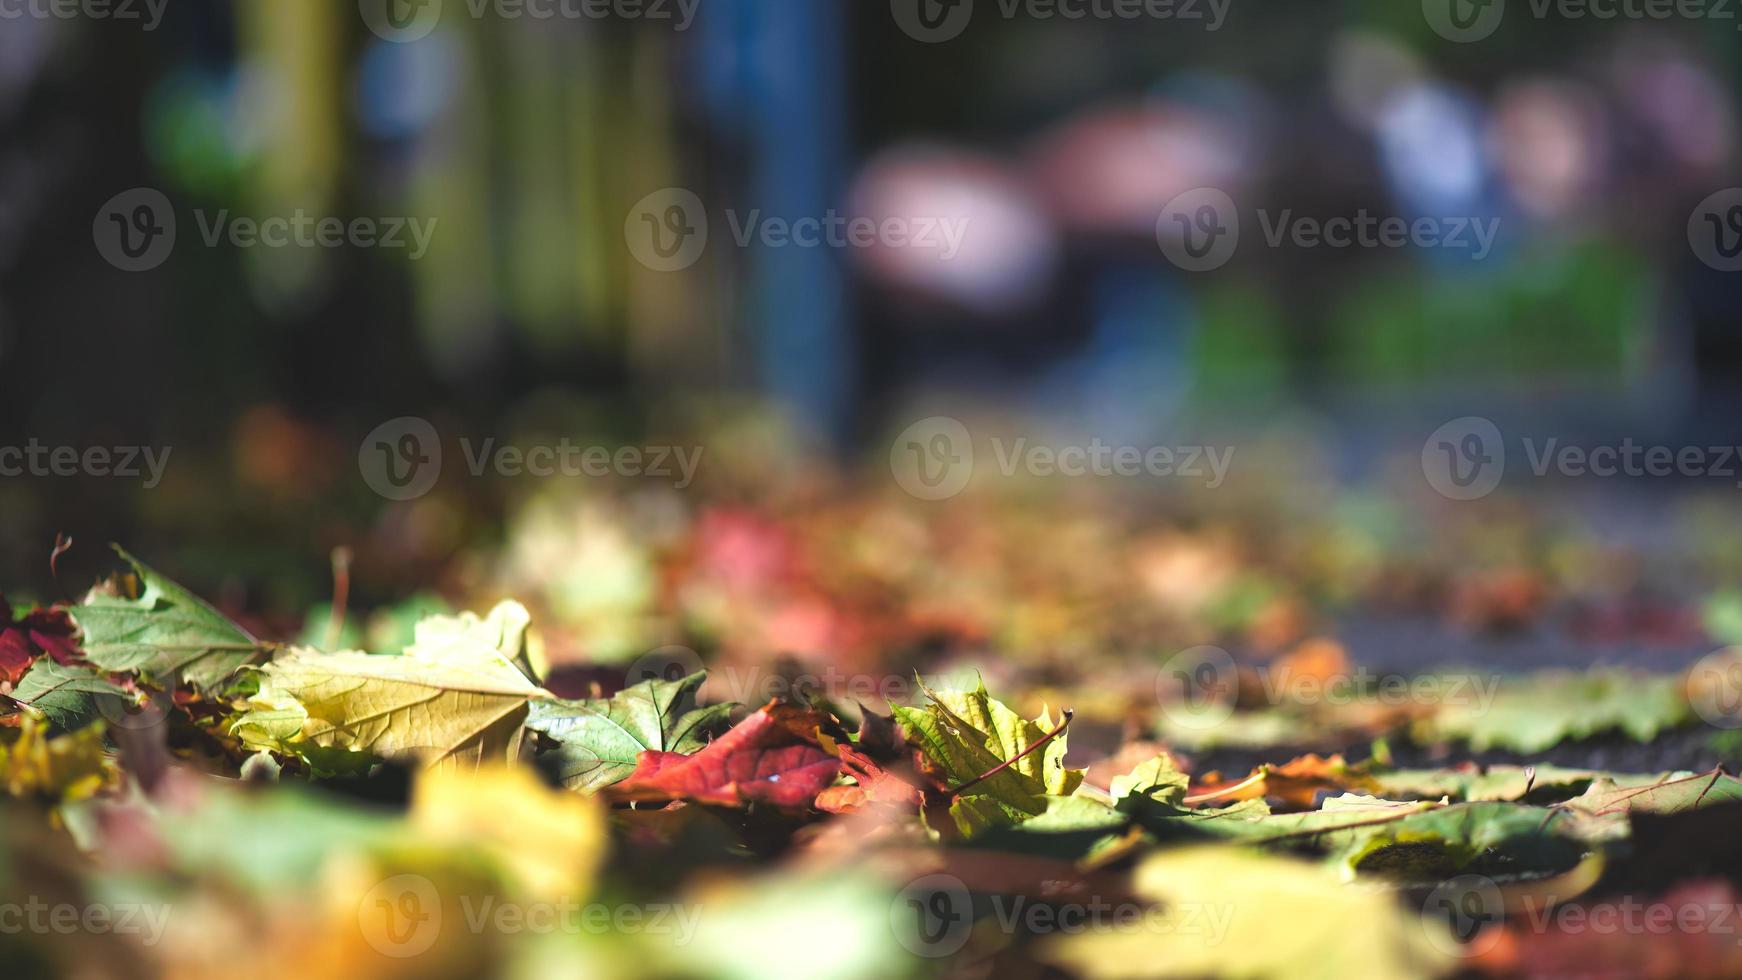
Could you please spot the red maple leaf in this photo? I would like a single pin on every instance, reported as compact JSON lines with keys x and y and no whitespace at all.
{"x":774,"y":756}
{"x":41,"y":631}
{"x":875,"y":784}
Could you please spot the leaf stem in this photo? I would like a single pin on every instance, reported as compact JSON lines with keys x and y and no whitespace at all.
{"x":341,"y":596}
{"x":1013,"y":760}
{"x":1256,"y":777}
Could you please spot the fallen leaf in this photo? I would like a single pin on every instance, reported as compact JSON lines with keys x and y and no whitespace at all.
{"x":966,"y":734}
{"x":66,"y":694}
{"x":551,"y":842}
{"x":1536,"y":712}
{"x":1227,"y":912}
{"x":42,"y":631}
{"x":872,"y":784}
{"x":441,"y":704}
{"x":1297,"y":783}
{"x":1668,"y":795}
{"x":59,"y":769}
{"x":599,"y":741}
{"x":166,"y":633}
{"x":773,"y":756}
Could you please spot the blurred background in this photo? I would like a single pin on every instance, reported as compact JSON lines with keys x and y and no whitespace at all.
{"x":536,"y":149}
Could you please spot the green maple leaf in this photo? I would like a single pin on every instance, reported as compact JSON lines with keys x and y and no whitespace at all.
{"x":456,"y":697}
{"x":167,"y":633}
{"x":66,"y":694}
{"x":967,"y":734}
{"x":599,"y":740}
{"x":1157,"y":782}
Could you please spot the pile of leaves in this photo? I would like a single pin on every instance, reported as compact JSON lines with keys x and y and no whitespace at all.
{"x":264,"y":808}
